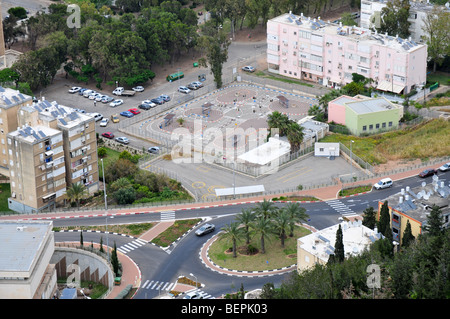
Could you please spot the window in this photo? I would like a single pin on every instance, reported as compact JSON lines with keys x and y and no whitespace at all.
{"x":371,"y":127}
{"x":377,"y":126}
{"x":383,"y":125}
{"x":364,"y":127}
{"x":390,"y":124}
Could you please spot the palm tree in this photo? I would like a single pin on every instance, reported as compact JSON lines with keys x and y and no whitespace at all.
{"x":277,"y":120}
{"x":76,"y":192}
{"x":263,"y":227}
{"x":234,"y":232}
{"x":297,"y":214}
{"x":265,"y":209}
{"x":281,"y":223}
{"x":295,"y":136}
{"x":245,"y":218}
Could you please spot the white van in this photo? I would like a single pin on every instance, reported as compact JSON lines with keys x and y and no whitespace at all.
{"x":384,"y":183}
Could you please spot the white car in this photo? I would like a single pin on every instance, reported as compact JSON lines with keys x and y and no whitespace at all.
{"x":104,"y":122}
{"x":183,"y":89}
{"x":445,"y":167}
{"x":138,"y":88}
{"x":122,"y":139}
{"x":384,"y":183}
{"x":96,"y":116}
{"x":74,"y":89}
{"x":93,"y":96}
{"x":116,"y":103}
{"x":193,"y":295}
{"x":248,"y":68}
{"x":149,"y":102}
{"x":88,"y":92}
{"x":118,"y":90}
{"x":100,"y":97}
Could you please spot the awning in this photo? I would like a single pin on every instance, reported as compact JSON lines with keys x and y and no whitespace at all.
{"x":388,"y":86}
{"x":239,"y":190}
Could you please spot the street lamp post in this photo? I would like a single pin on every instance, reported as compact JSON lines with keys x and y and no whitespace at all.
{"x":196,"y":283}
{"x":107,"y":237}
{"x":351,"y":156}
{"x":104,"y":185}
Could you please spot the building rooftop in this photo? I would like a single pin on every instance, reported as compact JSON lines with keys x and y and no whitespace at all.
{"x":34,"y":134}
{"x":356,"y":238}
{"x":417,"y":202}
{"x":370,"y":105}
{"x":21,"y":242}
{"x":359,"y":34}
{"x":67,"y":117}
{"x":11,"y":97}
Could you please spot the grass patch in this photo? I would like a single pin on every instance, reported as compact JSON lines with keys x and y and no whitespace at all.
{"x":135,"y":230}
{"x":5,"y":192}
{"x":410,"y":143}
{"x":296,"y":198}
{"x":174,"y":232}
{"x":281,"y":79}
{"x":110,"y":157}
{"x":274,"y":258}
{"x":441,"y":77}
{"x":355,"y":190}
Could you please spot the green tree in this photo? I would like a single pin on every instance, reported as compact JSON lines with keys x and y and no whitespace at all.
{"x":245,"y":218}
{"x":282,"y":222}
{"x":125,"y":196}
{"x":347,"y":19}
{"x":115,"y":260}
{"x":265,"y":209}
{"x":384,"y":223}
{"x":297,"y":214}
{"x":295,"y":135}
{"x":408,"y":238}
{"x":369,"y":217}
{"x":233,"y":232}
{"x":435,"y":222}
{"x":76,"y":192}
{"x":394,"y":18}
{"x":339,"y":252}
{"x":280,"y":121}
{"x":81,"y":239}
{"x":435,"y":26}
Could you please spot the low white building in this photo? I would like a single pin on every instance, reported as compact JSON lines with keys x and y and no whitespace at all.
{"x":326,"y":149}
{"x":317,"y":247}
{"x":25,"y":253}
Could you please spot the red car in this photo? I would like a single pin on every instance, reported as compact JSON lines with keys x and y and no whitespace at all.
{"x":134,"y":111}
{"x":108,"y":135}
{"x":428,"y":172}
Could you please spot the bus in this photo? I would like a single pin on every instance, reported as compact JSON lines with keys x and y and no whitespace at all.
{"x":175,"y":76}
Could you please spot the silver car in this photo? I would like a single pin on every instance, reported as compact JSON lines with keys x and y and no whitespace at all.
{"x":205,"y":229}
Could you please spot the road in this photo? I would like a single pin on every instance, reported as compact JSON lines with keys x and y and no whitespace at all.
{"x":161,"y":268}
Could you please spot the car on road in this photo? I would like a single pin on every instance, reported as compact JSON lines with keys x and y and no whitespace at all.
{"x":248,"y":68}
{"x":166,"y":98}
{"x":157,"y":100}
{"x":193,"y":86}
{"x":74,"y":89}
{"x":153,"y":150}
{"x":445,"y":167}
{"x":193,"y":295}
{"x":134,"y":111}
{"x":116,"y":103}
{"x":104,"y":122}
{"x":183,"y":89}
{"x":138,"y":88}
{"x":205,"y":229}
{"x":122,"y":139}
{"x":384,"y":183}
{"x":115,"y":118}
{"x":427,"y":172}
{"x":108,"y":135}
{"x":127,"y":114}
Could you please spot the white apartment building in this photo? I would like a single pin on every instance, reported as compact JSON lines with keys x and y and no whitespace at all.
{"x":371,"y":13}
{"x":327,"y":53}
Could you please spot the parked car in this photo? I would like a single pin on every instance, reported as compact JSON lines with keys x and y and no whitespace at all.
{"x":100,"y":97}
{"x":384,"y":183}
{"x":153,"y":150}
{"x":107,"y":99}
{"x":157,"y":100}
{"x":144,"y":106}
{"x":116,"y":103}
{"x":97,"y":116}
{"x":138,"y":88}
{"x":134,"y":111}
{"x":183,"y":89}
{"x":81,"y":91}
{"x":205,"y":229}
{"x":193,"y":295}
{"x":444,"y":167}
{"x":166,"y":98}
{"x":122,"y":139}
{"x":127,"y":114}
{"x":198,"y":83}
{"x":94,"y":96}
{"x":88,"y":92}
{"x":427,"y":172}
{"x":248,"y":68}
{"x":192,"y":86}
{"x":104,"y":122}
{"x":74,"y":89}
{"x":80,"y":111}
{"x":115,"y":118}
{"x":108,"y":135}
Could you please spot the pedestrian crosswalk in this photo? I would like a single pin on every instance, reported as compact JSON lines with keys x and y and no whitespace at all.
{"x":167,"y":216}
{"x":340,"y":207}
{"x":168,"y":286}
{"x":131,"y":246}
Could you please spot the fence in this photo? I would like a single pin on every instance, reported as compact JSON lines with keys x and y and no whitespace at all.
{"x":354,"y":158}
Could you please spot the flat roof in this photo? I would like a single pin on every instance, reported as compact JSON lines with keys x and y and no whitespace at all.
{"x":11,"y":97}
{"x":20,"y":242}
{"x":371,"y":105}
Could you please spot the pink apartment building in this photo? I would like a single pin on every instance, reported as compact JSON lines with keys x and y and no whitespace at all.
{"x":328,"y":54}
